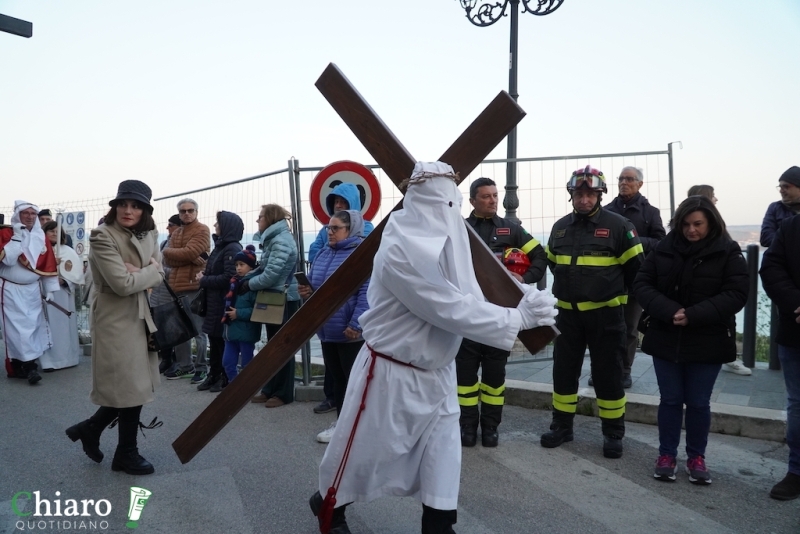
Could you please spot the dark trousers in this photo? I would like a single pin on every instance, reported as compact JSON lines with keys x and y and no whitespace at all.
{"x":327,"y":386}
{"x":216,"y":348}
{"x":490,"y":390}
{"x":688,"y":384}
{"x":282,"y":384}
{"x":128,"y":424}
{"x":603,"y":331}
{"x":339,"y":359}
{"x":632,"y":312}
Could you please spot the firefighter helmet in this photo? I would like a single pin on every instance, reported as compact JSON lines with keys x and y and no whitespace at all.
{"x":587,"y":177}
{"x":516,"y":261}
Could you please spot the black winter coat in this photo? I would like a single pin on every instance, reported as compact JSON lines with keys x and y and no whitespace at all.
{"x":709,"y":281}
{"x":220,"y":268}
{"x":780,"y":275}
{"x":644,"y":217}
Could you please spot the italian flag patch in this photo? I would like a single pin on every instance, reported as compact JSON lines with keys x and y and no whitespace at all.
{"x":631,"y":234}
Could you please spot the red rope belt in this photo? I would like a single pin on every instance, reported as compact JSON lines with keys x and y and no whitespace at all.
{"x":329,"y":503}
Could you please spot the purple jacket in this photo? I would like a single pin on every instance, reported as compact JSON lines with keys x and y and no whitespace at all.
{"x":325,"y":263}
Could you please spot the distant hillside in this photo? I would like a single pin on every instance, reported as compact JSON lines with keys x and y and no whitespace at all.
{"x":745,"y":234}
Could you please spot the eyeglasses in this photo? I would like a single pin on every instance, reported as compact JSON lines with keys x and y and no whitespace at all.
{"x":186,"y":211}
{"x":623,"y":179}
{"x":784,"y":187}
{"x":333,"y":228}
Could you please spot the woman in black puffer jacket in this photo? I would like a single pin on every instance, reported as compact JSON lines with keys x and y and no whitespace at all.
{"x":691,"y":286}
{"x":216,"y":280}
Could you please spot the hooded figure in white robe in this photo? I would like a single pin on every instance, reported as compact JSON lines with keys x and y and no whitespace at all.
{"x":423,"y":299}
{"x":26,"y":258}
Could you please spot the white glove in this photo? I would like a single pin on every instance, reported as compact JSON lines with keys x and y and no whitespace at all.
{"x":537,"y":309}
{"x":526,"y":288}
{"x":50,"y":296}
{"x":18,"y":229}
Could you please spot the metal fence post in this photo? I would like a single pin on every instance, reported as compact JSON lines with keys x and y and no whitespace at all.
{"x":297,"y":208}
{"x":750,"y":309}
{"x":671,"y":178}
{"x":774,"y":362}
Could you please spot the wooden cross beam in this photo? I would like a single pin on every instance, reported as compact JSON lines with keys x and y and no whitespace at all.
{"x":23,"y":28}
{"x":477,"y":141}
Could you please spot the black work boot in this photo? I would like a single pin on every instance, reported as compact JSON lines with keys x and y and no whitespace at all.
{"x":469,"y":435}
{"x":89,"y":434}
{"x":489,"y":436}
{"x":338,"y":523}
{"x":612,"y":446}
{"x":559,"y":433}
{"x":31,"y":372}
{"x":436,"y":521}
{"x":127,"y":457}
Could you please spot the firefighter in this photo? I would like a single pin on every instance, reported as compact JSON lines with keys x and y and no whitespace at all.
{"x":526,"y":261}
{"x":594,"y":255}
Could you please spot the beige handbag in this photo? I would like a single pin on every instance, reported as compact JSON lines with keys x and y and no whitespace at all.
{"x":270,"y":305}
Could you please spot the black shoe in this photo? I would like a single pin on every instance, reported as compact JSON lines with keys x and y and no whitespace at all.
{"x":164,"y":366}
{"x":612,"y":447}
{"x":787,"y":489}
{"x":325,"y":406}
{"x":209,"y":381}
{"x":338,"y":522}
{"x":469,"y":435}
{"x":591,"y":381}
{"x":627,"y":382}
{"x":131,"y":462}
{"x":558,"y":434}
{"x":33,"y":377}
{"x":489,"y":436}
{"x":219,"y":385}
{"x":89,"y":434}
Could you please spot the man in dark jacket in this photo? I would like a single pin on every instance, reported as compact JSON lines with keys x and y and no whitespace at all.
{"x":780,"y":275}
{"x":647,"y":220}
{"x":787,"y":206}
{"x":499,"y":235}
{"x":594,"y":255}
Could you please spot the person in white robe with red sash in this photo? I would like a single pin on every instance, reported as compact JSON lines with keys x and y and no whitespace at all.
{"x":423,"y":299}
{"x":28,"y":272}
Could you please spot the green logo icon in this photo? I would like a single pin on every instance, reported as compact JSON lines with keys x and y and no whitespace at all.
{"x":139,"y":498}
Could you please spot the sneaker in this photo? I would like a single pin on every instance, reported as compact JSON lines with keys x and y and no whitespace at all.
{"x":326,"y":435}
{"x":177,"y":373}
{"x":737,"y":367}
{"x":698,"y":474}
{"x":666,"y":467}
{"x":787,"y":489}
{"x":199,"y":377}
{"x":325,"y":406}
{"x":206,"y":382}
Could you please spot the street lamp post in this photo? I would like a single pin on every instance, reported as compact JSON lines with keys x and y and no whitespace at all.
{"x":483,"y":13}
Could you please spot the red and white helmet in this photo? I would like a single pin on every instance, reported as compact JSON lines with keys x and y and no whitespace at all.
{"x":516,"y":261}
{"x":588,"y":177}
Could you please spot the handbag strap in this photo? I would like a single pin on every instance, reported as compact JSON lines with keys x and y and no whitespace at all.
{"x":171,"y":291}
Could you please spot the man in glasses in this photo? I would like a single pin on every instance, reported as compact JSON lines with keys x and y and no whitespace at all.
{"x":787,"y":206}
{"x":594,"y":255}
{"x":482,"y":400}
{"x":186,"y":255}
{"x":632,"y":205}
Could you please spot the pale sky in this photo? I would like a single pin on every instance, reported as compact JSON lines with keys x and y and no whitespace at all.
{"x":188,"y":93}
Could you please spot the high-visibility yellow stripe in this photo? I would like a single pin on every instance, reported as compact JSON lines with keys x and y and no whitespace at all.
{"x":597,"y":261}
{"x":491,"y":399}
{"x":631,"y":252}
{"x":567,"y":408}
{"x":549,"y":254}
{"x":586,"y":306}
{"x":466,"y":390}
{"x":467,"y":401}
{"x":493,"y":391}
{"x":611,"y":414}
{"x":571,"y":398}
{"x":611,"y":404}
{"x":530,"y":245}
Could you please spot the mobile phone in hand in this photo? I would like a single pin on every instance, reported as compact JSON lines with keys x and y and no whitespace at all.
{"x":204,"y":255}
{"x":302,"y":279}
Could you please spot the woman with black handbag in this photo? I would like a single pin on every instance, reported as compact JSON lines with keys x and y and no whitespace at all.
{"x":125,"y":262}
{"x":692,"y":285}
{"x":215,"y":282}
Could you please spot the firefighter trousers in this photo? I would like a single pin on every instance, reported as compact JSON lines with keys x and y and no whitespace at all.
{"x":489,"y":390}
{"x":603,"y":331}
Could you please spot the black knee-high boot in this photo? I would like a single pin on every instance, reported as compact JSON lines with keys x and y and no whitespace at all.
{"x":126,"y":457}
{"x":89,"y":431}
{"x":437,"y":521}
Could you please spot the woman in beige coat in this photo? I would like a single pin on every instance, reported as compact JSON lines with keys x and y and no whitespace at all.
{"x":125,"y":262}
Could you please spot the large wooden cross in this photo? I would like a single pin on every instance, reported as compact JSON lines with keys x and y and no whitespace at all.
{"x":477,"y":141}
{"x":20,"y":27}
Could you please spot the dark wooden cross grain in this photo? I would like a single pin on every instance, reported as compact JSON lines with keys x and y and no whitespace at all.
{"x":477,"y":141}
{"x":23,"y":28}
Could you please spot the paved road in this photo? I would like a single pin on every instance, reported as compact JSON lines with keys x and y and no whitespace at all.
{"x":256,"y":476}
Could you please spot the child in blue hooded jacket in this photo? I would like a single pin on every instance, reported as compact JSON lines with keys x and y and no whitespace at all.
{"x":239,"y":332}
